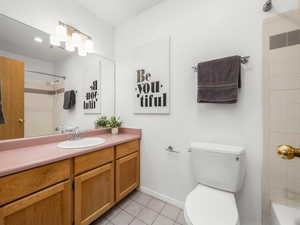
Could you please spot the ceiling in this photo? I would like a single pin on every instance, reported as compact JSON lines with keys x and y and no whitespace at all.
{"x":117,"y":11}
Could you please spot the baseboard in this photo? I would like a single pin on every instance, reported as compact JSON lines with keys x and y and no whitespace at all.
{"x":162,"y":197}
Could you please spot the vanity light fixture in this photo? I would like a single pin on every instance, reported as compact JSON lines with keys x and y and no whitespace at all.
{"x":89,"y":45}
{"x":61,"y":33}
{"x":69,"y":45}
{"x":70,"y":39}
{"x":76,"y":39}
{"x":54,"y":41}
{"x":82,"y":51}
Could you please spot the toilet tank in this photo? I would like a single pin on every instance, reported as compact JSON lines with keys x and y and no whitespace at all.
{"x":219,"y":166}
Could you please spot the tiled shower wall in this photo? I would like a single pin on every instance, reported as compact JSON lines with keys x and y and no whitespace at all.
{"x":281,"y":108}
{"x":43,"y":106}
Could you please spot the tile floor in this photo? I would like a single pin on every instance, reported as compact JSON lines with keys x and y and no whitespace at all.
{"x":142,"y":209}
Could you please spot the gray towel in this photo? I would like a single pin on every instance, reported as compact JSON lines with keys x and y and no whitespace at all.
{"x":2,"y":120}
{"x":69,"y":99}
{"x":219,"y":80}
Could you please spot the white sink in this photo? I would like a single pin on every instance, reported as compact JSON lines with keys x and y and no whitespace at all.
{"x":81,"y":143}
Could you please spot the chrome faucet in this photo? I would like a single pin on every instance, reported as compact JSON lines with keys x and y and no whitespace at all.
{"x":76,"y":134}
{"x":74,"y":131}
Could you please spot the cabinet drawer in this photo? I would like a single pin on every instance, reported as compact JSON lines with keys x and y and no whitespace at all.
{"x":127,"y":148}
{"x":93,"y":160}
{"x":24,"y":183}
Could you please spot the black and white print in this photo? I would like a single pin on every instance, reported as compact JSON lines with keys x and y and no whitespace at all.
{"x":92,"y":97}
{"x":152,"y":77}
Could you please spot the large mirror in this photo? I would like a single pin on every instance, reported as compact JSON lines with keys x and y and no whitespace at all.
{"x":45,"y":89}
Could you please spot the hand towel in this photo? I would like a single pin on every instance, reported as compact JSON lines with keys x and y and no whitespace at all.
{"x":69,"y":99}
{"x":219,"y":80}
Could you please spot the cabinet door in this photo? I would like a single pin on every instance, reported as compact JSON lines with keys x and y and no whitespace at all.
{"x":127,"y":175}
{"x":51,"y":206}
{"x":94,"y":194}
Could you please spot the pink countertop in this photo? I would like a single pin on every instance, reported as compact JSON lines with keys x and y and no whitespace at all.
{"x":34,"y":152}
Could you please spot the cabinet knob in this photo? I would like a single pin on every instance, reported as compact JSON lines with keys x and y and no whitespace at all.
{"x":21,"y":120}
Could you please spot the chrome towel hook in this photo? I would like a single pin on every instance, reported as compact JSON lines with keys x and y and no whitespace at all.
{"x":171,"y":149}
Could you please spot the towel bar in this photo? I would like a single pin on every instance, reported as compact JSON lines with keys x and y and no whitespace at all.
{"x":244,"y":60}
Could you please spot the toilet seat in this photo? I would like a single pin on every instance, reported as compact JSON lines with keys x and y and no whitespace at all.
{"x":209,"y":206}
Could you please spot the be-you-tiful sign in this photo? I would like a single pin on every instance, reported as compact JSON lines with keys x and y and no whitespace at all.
{"x":150,"y":93}
{"x":92,"y":98}
{"x":152,"y":78}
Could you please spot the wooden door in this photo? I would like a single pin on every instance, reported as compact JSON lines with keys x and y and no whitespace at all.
{"x":94,"y":194}
{"x":51,"y":206}
{"x":127,"y":175}
{"x":12,"y":92}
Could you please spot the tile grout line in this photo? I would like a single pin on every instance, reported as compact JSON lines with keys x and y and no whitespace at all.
{"x":158,"y":213}
{"x":178,"y":214}
{"x":146,"y":207}
{"x":169,"y":217}
{"x":165,"y":204}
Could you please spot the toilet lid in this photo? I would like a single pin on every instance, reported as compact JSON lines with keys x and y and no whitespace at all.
{"x":209,"y":206}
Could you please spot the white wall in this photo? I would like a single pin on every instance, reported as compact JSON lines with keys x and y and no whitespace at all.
{"x":200,"y":30}
{"x":45,"y":14}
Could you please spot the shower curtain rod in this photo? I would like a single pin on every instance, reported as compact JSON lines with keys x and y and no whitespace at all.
{"x":46,"y":74}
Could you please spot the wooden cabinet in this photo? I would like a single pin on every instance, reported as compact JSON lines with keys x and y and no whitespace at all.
{"x":94,"y":194}
{"x":44,"y":195}
{"x":127,"y":175}
{"x":18,"y":185}
{"x":51,"y":206}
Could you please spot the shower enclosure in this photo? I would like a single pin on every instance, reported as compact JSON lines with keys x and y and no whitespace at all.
{"x":43,"y":104}
{"x":281,"y":180}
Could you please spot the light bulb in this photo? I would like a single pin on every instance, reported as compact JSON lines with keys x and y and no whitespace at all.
{"x":82,"y":51}
{"x":38,"y":39}
{"x":69,"y":46}
{"x":54,"y":41}
{"x":89,"y":46}
{"x":76,"y":39}
{"x":61,"y":33}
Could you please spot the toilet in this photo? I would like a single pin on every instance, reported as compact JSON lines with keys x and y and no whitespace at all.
{"x":219,"y":171}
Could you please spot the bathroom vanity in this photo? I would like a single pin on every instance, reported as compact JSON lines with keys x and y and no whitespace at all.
{"x":43,"y":184}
